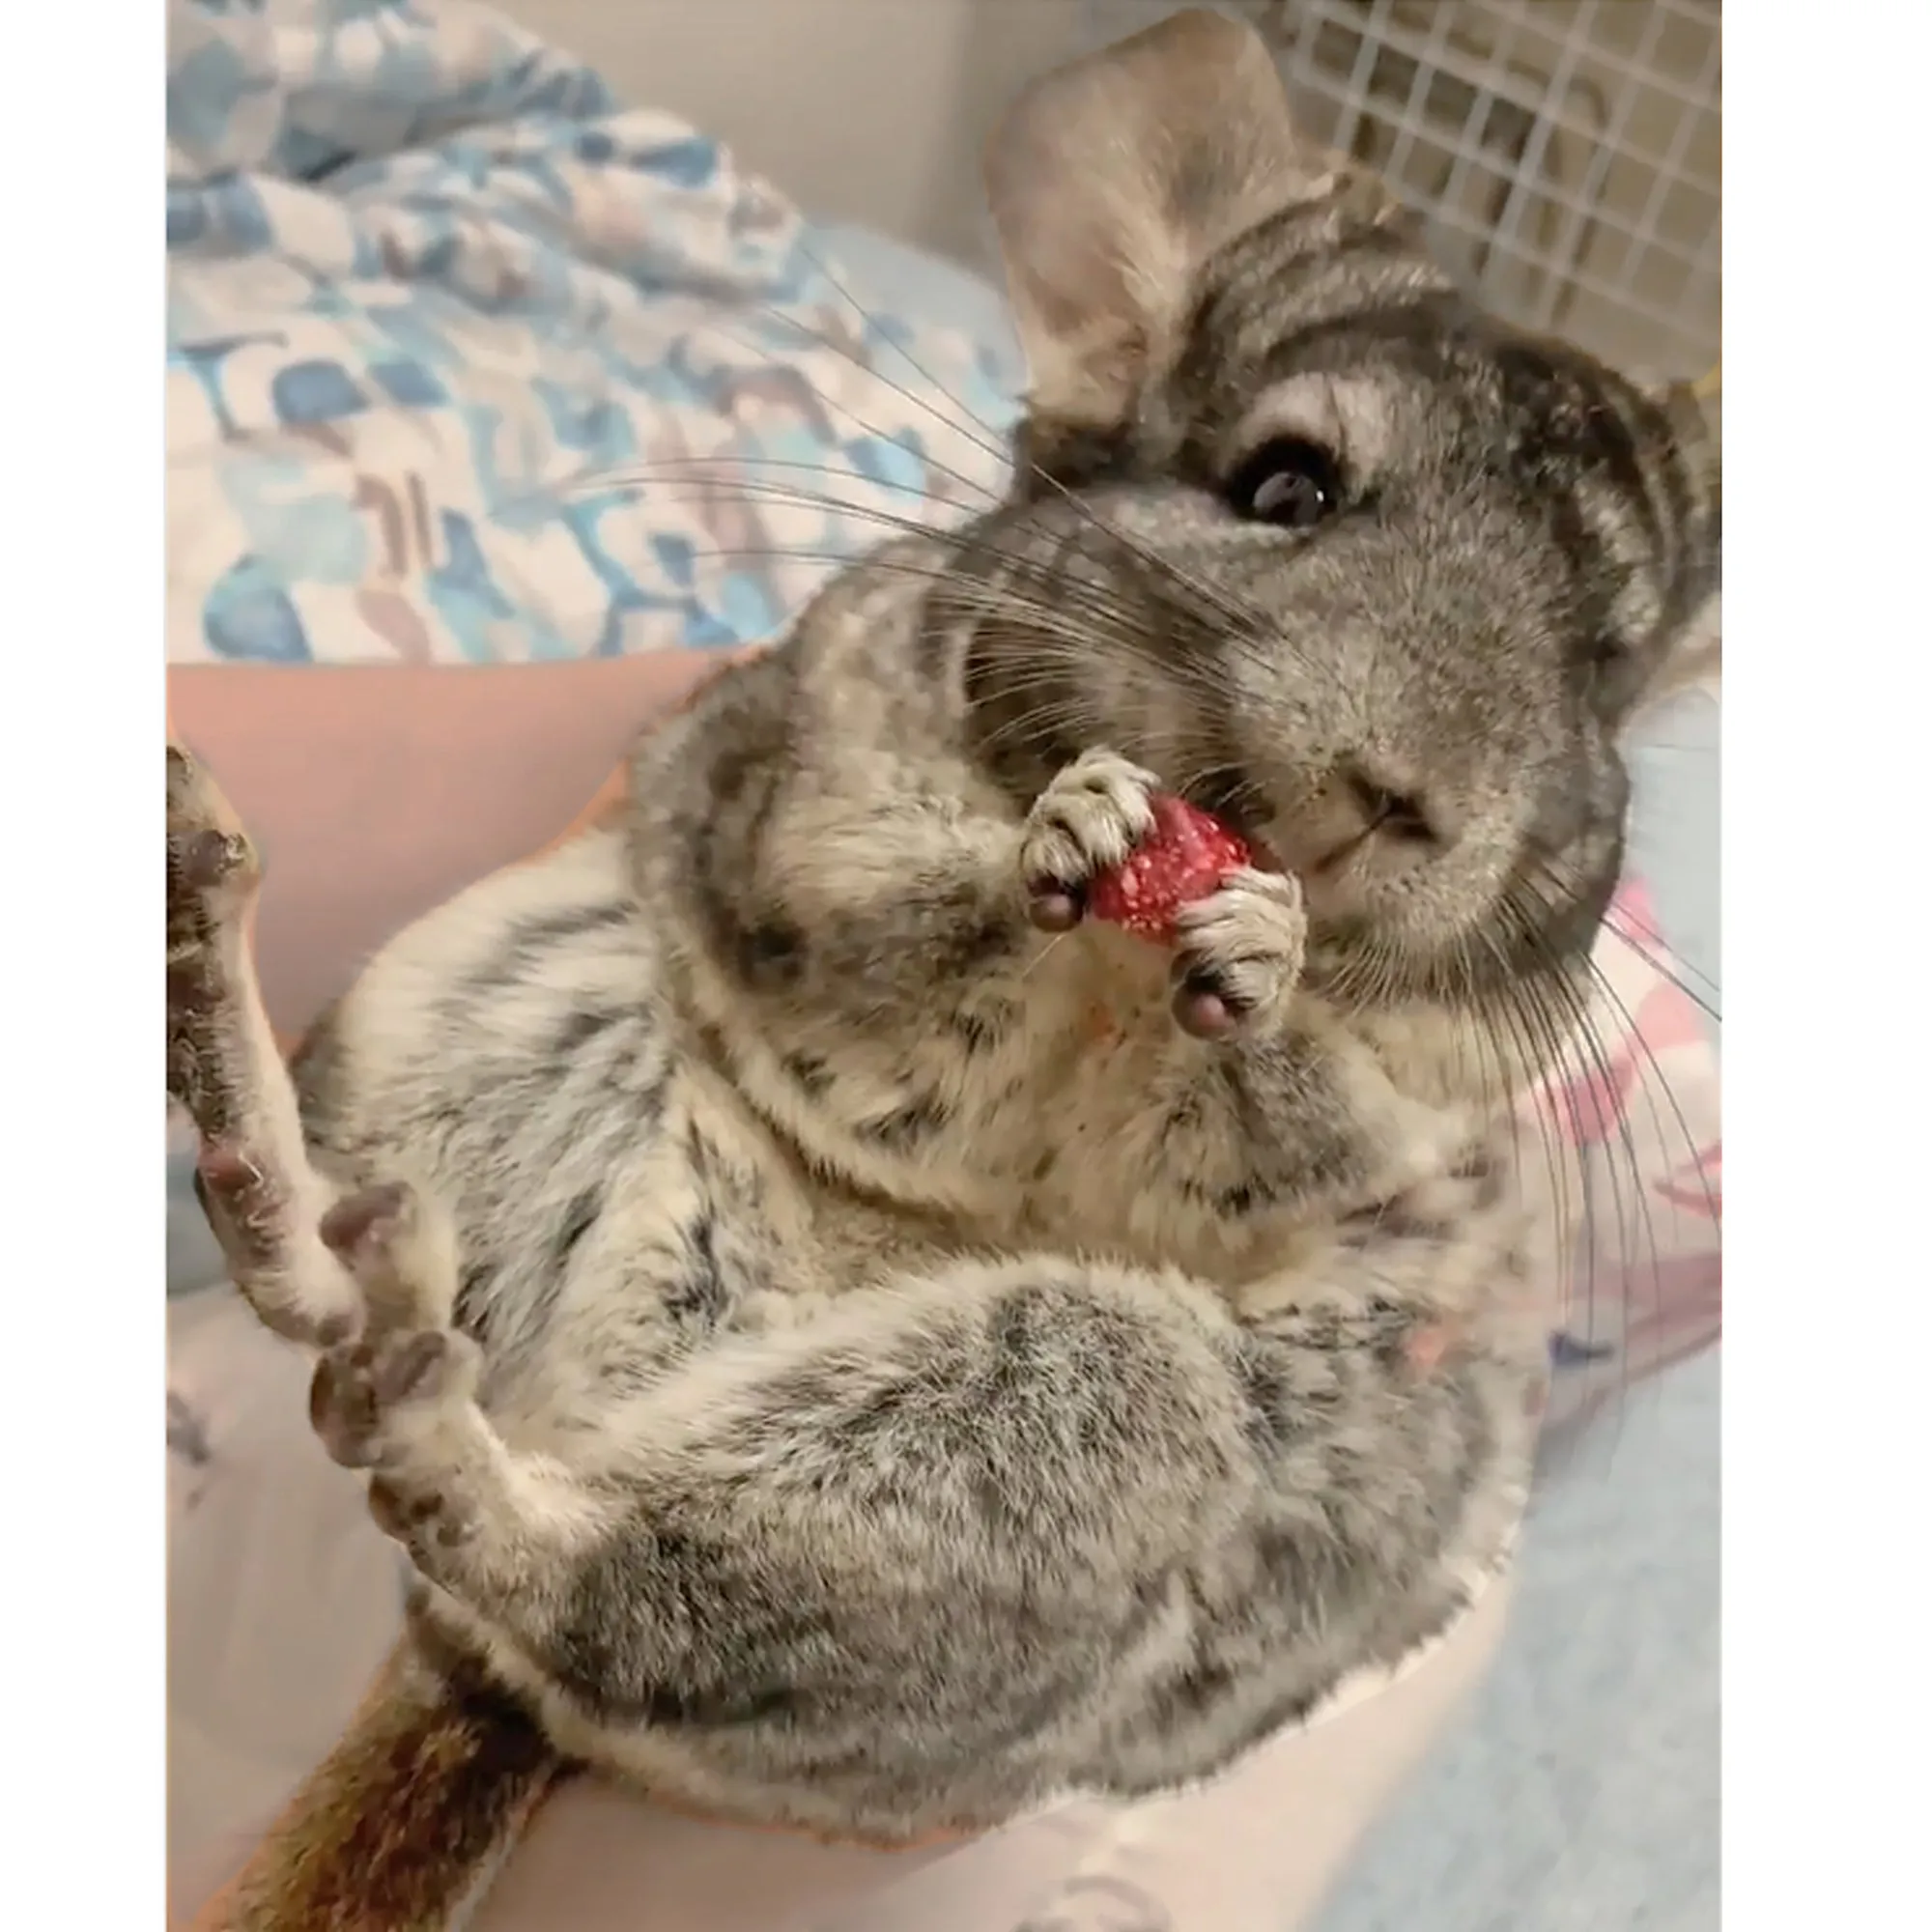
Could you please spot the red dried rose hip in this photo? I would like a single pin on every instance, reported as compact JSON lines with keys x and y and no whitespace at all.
{"x":1184,"y":858}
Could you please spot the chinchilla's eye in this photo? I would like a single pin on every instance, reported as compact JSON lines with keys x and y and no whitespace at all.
{"x":1289,"y":482}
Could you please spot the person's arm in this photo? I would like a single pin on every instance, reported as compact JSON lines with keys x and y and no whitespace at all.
{"x":376,"y":791}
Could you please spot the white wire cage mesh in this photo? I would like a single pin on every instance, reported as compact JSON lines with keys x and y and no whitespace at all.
{"x":1566,"y":152}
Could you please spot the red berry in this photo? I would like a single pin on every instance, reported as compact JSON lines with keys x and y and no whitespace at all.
{"x":1184,"y":858}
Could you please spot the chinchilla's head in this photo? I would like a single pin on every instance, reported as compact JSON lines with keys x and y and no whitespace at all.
{"x":1374,"y":577}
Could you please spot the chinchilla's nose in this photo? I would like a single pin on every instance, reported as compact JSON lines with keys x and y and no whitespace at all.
{"x":1362,"y":808}
{"x":1362,"y":799}
{"x":1395,"y":800}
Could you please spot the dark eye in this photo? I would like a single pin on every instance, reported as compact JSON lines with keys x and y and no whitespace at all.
{"x":1289,"y":482}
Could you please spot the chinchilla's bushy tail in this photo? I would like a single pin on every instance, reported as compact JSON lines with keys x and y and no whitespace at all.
{"x":406,"y":1822}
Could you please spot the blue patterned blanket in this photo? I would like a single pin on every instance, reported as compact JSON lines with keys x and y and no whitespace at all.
{"x":466,"y":363}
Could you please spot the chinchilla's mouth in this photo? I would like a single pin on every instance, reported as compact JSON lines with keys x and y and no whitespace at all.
{"x":1266,"y":858}
{"x":1231,"y":802}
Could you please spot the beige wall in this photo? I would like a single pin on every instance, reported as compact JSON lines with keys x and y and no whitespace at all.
{"x":872,"y":111}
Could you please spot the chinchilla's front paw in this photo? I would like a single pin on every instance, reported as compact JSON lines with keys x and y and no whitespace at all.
{"x":1085,"y":822}
{"x":1239,"y":955}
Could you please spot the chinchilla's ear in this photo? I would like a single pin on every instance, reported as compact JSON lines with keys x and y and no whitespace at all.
{"x":1113,"y":179}
{"x":1694,"y":654}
